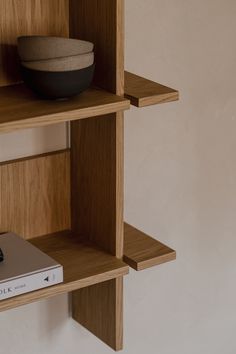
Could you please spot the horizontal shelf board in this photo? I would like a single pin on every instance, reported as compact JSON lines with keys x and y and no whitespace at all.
{"x":21,"y":109}
{"x":83,"y":264}
{"x":142,"y":251}
{"x":142,"y":92}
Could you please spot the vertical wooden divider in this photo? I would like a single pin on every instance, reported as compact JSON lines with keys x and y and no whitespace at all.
{"x":97,"y":167}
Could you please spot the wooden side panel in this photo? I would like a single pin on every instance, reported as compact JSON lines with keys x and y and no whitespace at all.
{"x":97,"y":144}
{"x":97,"y":182}
{"x":27,"y":17}
{"x":97,"y":166}
{"x":102,"y":22}
{"x":103,"y":317}
{"x":34,"y":195}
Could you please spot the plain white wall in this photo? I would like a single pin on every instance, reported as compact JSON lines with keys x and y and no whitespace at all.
{"x":180,"y":179}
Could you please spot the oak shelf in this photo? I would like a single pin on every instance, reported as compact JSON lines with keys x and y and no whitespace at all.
{"x":20,"y":108}
{"x":83,"y":265}
{"x":142,"y":92}
{"x":142,"y":251}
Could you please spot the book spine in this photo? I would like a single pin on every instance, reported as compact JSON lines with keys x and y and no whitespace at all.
{"x":31,"y":282}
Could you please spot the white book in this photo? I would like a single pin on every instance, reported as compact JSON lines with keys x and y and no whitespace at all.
{"x":25,"y":268}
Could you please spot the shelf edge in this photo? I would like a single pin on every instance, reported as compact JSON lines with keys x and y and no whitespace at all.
{"x":143,"y":92}
{"x":72,"y":115}
{"x":142,"y":251}
{"x":59,"y":289}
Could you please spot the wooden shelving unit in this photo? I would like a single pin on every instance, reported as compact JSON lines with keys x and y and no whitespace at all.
{"x":79,"y":189}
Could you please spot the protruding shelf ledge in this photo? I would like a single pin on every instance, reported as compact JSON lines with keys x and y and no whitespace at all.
{"x":83,"y":264}
{"x":142,"y":92}
{"x":142,"y":251}
{"x":20,"y":108}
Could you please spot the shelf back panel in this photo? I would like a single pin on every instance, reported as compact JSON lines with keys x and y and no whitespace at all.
{"x":27,"y":17}
{"x":35,"y":195}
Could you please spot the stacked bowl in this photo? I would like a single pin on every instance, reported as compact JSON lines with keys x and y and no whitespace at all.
{"x":56,"y":67}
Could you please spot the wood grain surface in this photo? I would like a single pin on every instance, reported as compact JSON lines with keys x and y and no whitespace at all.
{"x":102,"y":23}
{"x":83,"y":266}
{"x":34,"y":195}
{"x":97,"y":165}
{"x":142,"y":92}
{"x":27,"y":17}
{"x":108,"y":309}
{"x":97,"y":184}
{"x":142,"y":251}
{"x":20,"y":108}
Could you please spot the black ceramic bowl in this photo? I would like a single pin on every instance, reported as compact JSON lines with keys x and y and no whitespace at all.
{"x":55,"y":85}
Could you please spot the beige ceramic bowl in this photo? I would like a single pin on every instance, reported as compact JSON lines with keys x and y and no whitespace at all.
{"x":31,"y":48}
{"x":75,"y":62}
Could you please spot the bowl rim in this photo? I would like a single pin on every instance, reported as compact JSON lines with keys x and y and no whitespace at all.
{"x":59,"y":58}
{"x":51,"y":37}
{"x":57,"y":72}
